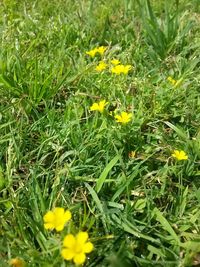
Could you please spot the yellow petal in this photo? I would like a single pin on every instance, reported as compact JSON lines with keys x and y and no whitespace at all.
{"x":92,"y":53}
{"x":88,"y":247}
{"x":115,"y":62}
{"x":49,"y":226}
{"x":95,"y":106}
{"x":82,"y":237}
{"x":175,"y":154}
{"x":101,"y":49}
{"x":60,"y":227}
{"x":48,"y":217}
{"x":117,"y":117}
{"x":67,"y":254}
{"x":183,"y":155}
{"x":79,"y":258}
{"x":69,"y":241}
{"x":67,"y":215}
{"x":59,"y":212}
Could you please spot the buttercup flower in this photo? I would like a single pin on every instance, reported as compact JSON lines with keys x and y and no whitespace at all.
{"x":56,"y":218}
{"x":115,"y":62}
{"x":118,"y":69}
{"x":75,"y":247}
{"x":17,"y":262}
{"x":101,"y":66}
{"x":99,"y":106}
{"x":101,"y":50}
{"x":124,"y":117}
{"x":94,"y":51}
{"x":180,"y":155}
{"x":175,"y":83}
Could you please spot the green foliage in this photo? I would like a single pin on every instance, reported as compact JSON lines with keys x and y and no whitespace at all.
{"x":139,"y":205}
{"x":164,"y":35}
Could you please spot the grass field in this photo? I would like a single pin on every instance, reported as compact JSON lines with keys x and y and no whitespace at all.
{"x":100,"y":116}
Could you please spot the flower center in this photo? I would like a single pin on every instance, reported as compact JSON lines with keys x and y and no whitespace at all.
{"x":78,"y":248}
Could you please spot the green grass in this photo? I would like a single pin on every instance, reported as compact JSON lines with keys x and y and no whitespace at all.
{"x":55,"y":152}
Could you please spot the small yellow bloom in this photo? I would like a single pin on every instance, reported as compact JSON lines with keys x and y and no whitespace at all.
{"x":56,"y":218}
{"x":180,"y":155}
{"x":124,"y":117}
{"x":118,"y":69}
{"x":96,"y":50}
{"x":127,"y":68}
{"x":171,"y":80}
{"x":17,"y":262}
{"x":175,"y":83}
{"x":99,"y":106}
{"x":92,"y":52}
{"x":101,"y":66}
{"x":115,"y":62}
{"x":75,"y":247}
{"x":101,"y":49}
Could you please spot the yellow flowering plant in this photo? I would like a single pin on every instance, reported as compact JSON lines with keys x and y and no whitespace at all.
{"x":118,"y":69}
{"x":100,"y":106}
{"x":98,"y":50}
{"x":101,"y":66}
{"x":115,"y":62}
{"x":75,"y":247}
{"x":56,"y":219}
{"x":124,"y":117}
{"x":101,"y":50}
{"x":174,"y":82}
{"x":179,"y":155}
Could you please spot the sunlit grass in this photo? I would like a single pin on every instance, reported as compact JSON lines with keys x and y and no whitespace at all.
{"x":99,"y":115}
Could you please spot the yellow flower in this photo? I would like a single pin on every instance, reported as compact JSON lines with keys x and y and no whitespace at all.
{"x":96,"y":50}
{"x":175,"y":83}
{"x":118,"y":69}
{"x":92,"y":52}
{"x":101,"y":49}
{"x":124,"y":117}
{"x":102,"y":66}
{"x":75,"y":247}
{"x":115,"y":62}
{"x":56,"y":218}
{"x":180,"y":155}
{"x":127,"y":68}
{"x":17,"y":262}
{"x":99,"y":106}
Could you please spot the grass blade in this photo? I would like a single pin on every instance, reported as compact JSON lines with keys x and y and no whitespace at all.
{"x":166,"y":226}
{"x":105,"y":172}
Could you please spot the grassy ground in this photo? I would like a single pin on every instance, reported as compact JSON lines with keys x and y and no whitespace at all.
{"x":139,"y":208}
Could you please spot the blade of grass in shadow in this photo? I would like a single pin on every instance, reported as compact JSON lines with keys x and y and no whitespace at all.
{"x":137,"y":169}
{"x":179,"y":131}
{"x":129,"y":228}
{"x":98,"y":204}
